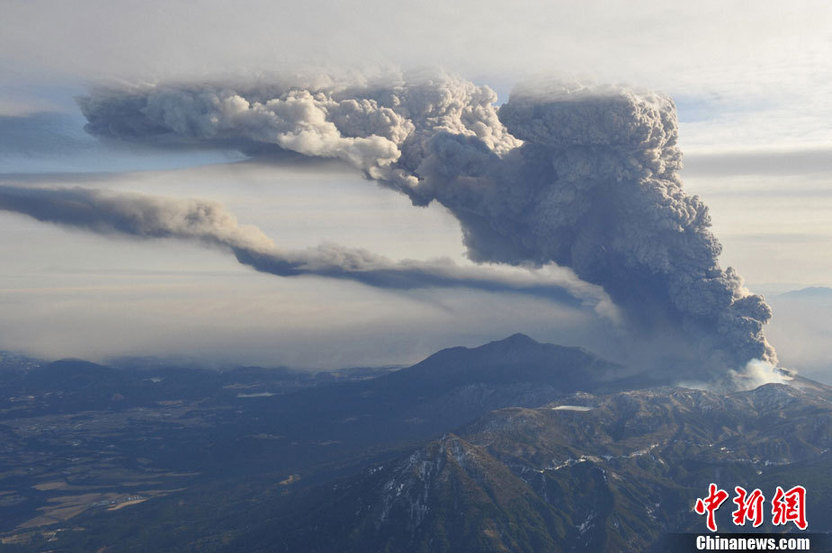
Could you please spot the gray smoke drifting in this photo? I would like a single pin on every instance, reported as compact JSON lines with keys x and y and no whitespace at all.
{"x":586,"y":178}
{"x":208,"y":223}
{"x":134,"y":215}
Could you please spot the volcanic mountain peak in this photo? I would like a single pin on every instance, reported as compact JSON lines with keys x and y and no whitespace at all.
{"x":517,"y":358}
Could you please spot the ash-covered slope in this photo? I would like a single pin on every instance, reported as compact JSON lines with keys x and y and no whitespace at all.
{"x":593,"y":473}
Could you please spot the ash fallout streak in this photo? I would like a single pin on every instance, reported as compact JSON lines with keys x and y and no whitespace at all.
{"x":586,"y":178}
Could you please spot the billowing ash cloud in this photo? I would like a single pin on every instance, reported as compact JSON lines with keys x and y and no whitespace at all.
{"x":585,"y":178}
{"x":208,"y":223}
{"x":384,"y":130}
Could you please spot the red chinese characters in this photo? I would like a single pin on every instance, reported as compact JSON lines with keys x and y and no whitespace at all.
{"x":789,"y":506}
{"x":710,"y":504}
{"x":786,"y":506}
{"x":749,"y":507}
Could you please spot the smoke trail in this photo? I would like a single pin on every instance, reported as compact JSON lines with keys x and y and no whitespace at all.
{"x":135,"y":215}
{"x":208,"y":223}
{"x":585,"y":178}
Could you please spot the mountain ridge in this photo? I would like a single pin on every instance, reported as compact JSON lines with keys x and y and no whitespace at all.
{"x":617,"y":476}
{"x":513,"y":445}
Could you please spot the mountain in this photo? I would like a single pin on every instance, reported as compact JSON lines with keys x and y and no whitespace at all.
{"x":511,"y":446}
{"x":448,"y":389}
{"x":72,"y":425}
{"x":456,"y":385}
{"x":517,"y":358}
{"x":601,"y":473}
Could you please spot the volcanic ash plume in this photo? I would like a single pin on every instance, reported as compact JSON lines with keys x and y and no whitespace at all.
{"x":583,"y":177}
{"x":134,"y":215}
{"x":595,"y":187}
{"x":152,"y":217}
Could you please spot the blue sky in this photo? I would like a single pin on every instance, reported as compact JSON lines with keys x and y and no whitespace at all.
{"x":751,"y":81}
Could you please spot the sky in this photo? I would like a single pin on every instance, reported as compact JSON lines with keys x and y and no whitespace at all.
{"x":751,"y":82}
